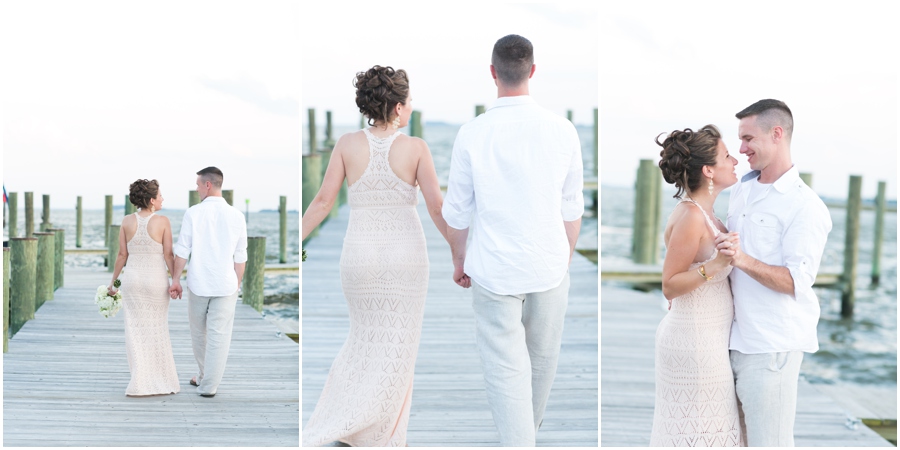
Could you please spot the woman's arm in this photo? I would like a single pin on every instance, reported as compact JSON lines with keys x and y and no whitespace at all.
{"x":168,"y":253}
{"x":121,"y":257}
{"x":426,"y":176}
{"x":681,"y":251}
{"x":331,"y":185}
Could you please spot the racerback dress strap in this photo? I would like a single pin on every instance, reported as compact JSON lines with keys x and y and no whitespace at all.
{"x":142,"y":224}
{"x":709,"y":222}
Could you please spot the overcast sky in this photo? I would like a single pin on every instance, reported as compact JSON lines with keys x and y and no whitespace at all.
{"x":445,"y":47}
{"x":674,"y":65}
{"x":98,"y":94}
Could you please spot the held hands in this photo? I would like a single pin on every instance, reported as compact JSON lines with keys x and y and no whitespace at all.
{"x":729,"y":247}
{"x":175,"y":289}
{"x":460,"y":278}
{"x":110,"y":290}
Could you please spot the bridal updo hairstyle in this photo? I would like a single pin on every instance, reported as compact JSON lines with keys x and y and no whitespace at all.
{"x":684,"y":154}
{"x":141,"y":191}
{"x":378,"y":90}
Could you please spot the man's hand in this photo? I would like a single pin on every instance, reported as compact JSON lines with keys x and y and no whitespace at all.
{"x":730,"y":244}
{"x":175,"y":289}
{"x":460,"y":277}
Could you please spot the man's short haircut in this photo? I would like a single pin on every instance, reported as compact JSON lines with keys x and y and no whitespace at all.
{"x":512,"y":59}
{"x":213,"y":175}
{"x":769,"y":113}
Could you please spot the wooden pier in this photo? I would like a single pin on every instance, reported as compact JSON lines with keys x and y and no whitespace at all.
{"x":628,"y":327}
{"x":449,"y":405}
{"x":65,"y":375}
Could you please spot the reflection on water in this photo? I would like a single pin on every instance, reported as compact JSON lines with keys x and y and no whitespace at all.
{"x":860,"y":350}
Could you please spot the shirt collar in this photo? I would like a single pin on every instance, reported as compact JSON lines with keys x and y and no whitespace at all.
{"x":782,"y":184}
{"x":512,"y":101}
{"x":214,"y":198}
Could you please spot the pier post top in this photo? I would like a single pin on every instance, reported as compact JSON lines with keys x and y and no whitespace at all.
{"x":256,"y":237}
{"x":42,"y":233}
{"x":24,"y":238}
{"x":56,"y":229}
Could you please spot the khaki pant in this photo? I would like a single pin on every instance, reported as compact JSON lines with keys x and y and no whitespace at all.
{"x":519,"y":337}
{"x":766,"y":386}
{"x":212,"y":319}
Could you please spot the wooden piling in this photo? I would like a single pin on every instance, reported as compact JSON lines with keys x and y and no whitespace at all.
{"x":415,"y":124}
{"x":13,"y":223}
{"x":807,"y":178}
{"x":46,"y":268}
{"x":22,"y":277}
{"x":5,"y":299}
{"x":129,"y":208}
{"x":193,"y":198}
{"x":228,"y":195}
{"x":112,"y":247}
{"x":647,"y":205}
{"x":597,"y":146}
{"x":254,"y":272}
{"x":79,"y":222}
{"x":282,"y":229}
{"x":312,"y":180}
{"x":29,"y":214}
{"x":851,"y":246}
{"x":362,"y":121}
{"x":59,"y":258}
{"x":329,"y":137}
{"x":311,"y":114}
{"x":45,"y":213}
{"x":108,"y":218}
{"x":479,"y":110}
{"x":569,"y":115}
{"x":880,"y":204}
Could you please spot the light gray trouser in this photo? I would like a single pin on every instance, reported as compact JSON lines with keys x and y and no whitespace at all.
{"x":212,"y":319}
{"x":518,"y":337}
{"x":766,"y":385}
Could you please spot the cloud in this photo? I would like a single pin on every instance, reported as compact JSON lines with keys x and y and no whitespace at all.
{"x":255,"y":93}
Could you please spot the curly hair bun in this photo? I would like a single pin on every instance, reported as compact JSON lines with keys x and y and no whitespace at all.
{"x":378,"y":90}
{"x":683,"y":155}
{"x":142,"y":191}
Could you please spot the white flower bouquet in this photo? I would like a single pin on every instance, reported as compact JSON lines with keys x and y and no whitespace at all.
{"x":109,"y":305}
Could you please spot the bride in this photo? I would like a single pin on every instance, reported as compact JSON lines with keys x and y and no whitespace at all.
{"x":696,"y":403}
{"x":384,"y":267}
{"x":145,"y":243}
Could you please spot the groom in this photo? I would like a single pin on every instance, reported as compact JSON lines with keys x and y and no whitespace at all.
{"x":516,"y":180}
{"x":783,"y":226}
{"x":214,"y":235}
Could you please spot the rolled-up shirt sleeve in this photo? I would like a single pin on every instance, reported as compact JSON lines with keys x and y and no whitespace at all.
{"x":803,"y":244}
{"x":182,"y":249}
{"x":459,"y":203}
{"x":240,"y":249}
{"x":573,"y":186}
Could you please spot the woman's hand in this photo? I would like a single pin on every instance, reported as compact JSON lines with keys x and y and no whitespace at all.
{"x":727,"y":245}
{"x":110,"y":289}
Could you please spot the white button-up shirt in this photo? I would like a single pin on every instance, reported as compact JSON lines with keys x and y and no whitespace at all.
{"x":214,"y":235}
{"x":515,"y":175}
{"x":786,"y":225}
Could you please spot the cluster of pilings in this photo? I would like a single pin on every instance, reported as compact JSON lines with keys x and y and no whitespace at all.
{"x":647,"y":227}
{"x":33,"y":265}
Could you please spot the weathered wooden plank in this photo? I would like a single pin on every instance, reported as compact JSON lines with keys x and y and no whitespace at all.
{"x":65,"y":376}
{"x":449,"y":405}
{"x":628,"y":328}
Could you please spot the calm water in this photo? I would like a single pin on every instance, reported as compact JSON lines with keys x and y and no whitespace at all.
{"x":860,"y":350}
{"x":282,"y":291}
{"x":440,"y":139}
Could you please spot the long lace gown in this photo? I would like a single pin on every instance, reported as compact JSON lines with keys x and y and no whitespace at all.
{"x":384,"y":276}
{"x":696,"y":404}
{"x":145,"y":295}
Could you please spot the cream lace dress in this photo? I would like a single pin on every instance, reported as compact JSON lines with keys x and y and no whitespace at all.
{"x":145,"y":296}
{"x":384,"y":275}
{"x":696,"y":405}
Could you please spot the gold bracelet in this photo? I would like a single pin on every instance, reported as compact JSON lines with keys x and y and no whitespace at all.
{"x":702,"y":272}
